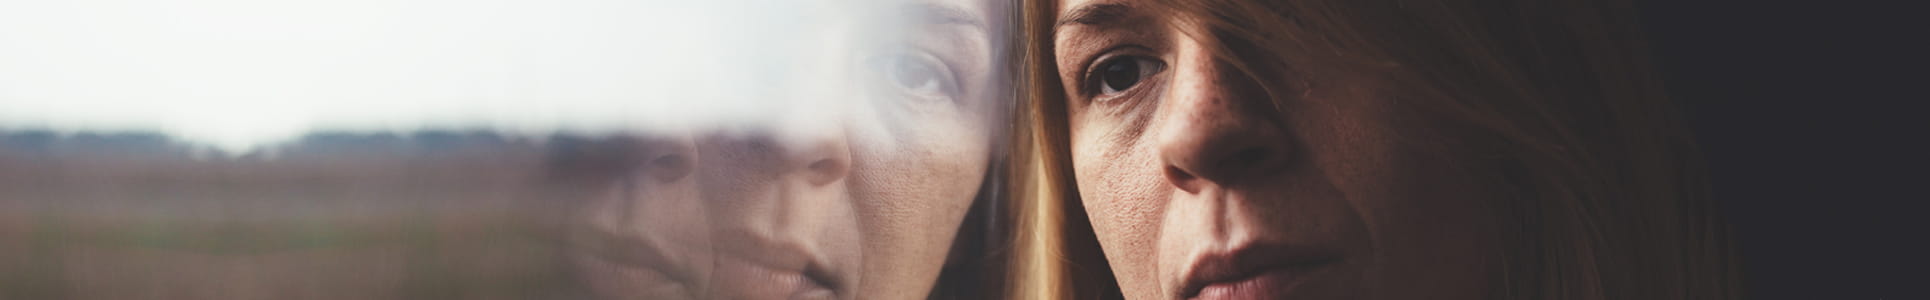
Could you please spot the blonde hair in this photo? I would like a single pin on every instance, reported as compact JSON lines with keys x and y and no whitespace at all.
{"x":1609,"y":199}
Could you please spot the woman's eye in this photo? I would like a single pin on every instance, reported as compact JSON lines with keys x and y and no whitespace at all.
{"x":912,"y":75}
{"x":1122,"y":73}
{"x":917,"y":75}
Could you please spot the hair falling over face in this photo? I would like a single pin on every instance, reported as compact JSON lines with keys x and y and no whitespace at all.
{"x":1588,"y":184}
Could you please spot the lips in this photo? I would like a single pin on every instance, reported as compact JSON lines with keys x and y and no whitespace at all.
{"x":743,"y":280}
{"x":632,"y":252}
{"x":751,"y":267}
{"x":748,"y":268}
{"x":1255,"y":271}
{"x":771,"y":276}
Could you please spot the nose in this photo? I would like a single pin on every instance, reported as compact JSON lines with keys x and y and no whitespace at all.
{"x":1218,"y":127}
{"x":775,"y":188}
{"x":819,"y":158}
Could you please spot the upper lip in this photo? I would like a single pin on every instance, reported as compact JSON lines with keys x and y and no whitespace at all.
{"x":1249,"y":260}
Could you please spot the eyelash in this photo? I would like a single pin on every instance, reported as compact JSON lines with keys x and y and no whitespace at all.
{"x":1090,"y":81}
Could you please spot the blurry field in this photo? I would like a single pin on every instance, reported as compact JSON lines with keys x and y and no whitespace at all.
{"x":434,"y":215}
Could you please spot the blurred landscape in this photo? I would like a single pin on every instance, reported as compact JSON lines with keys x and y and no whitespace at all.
{"x":423,"y":215}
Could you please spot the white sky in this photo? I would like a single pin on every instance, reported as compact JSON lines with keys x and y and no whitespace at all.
{"x":241,"y":73}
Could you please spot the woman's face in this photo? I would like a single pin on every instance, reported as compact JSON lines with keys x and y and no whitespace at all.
{"x":858,"y":196}
{"x":1201,"y":185}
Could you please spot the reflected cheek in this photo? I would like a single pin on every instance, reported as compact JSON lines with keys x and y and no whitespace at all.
{"x":912,"y":196}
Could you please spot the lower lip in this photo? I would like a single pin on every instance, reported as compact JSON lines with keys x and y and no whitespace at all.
{"x":746,"y":281}
{"x":1270,"y":285}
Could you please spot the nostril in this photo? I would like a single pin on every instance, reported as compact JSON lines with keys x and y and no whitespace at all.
{"x":671,"y":161}
{"x":671,"y":167}
{"x":1193,"y":172}
{"x":824,"y":171}
{"x":1177,"y":174}
{"x":823,"y":165}
{"x":1250,"y":161}
{"x":1180,"y":178}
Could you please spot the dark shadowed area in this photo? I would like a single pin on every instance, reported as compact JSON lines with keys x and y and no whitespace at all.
{"x":1811,"y":117}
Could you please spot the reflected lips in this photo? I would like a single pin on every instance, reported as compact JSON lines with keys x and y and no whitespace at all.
{"x":759,"y":268}
{"x":648,"y":254}
{"x":742,"y":280}
{"x":1253,"y":272}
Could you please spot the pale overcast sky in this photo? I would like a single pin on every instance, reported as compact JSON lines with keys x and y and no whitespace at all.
{"x":238,"y":73}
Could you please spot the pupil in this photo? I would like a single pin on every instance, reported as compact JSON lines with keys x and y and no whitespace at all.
{"x":1120,"y":75}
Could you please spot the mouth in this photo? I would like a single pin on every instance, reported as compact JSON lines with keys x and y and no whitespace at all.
{"x":1258,"y":271}
{"x":737,"y":279}
{"x":752,"y":267}
{"x":631,"y":253}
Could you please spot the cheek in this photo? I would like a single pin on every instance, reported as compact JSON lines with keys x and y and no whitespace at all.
{"x":911,"y":196}
{"x":1124,"y":196}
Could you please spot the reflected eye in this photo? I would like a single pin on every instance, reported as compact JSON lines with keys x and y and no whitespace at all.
{"x":1122,"y":73}
{"x":912,"y":75}
{"x":918,"y":75}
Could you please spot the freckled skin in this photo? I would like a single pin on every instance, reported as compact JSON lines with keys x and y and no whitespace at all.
{"x":1334,"y":173}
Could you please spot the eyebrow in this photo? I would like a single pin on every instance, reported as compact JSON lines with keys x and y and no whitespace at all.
{"x":1095,"y":14}
{"x":939,"y":14}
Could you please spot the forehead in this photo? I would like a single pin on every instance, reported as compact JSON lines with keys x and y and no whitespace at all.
{"x":980,"y":9}
{"x":1066,"y":6}
{"x":1075,"y":16}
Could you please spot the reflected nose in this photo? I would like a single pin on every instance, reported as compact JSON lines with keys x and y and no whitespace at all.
{"x":642,"y":230}
{"x":661,"y":158}
{"x":818,"y":159}
{"x":1218,"y":129}
{"x":821,"y":160}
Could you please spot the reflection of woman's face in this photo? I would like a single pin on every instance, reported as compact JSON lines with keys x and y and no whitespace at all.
{"x":867,"y":208}
{"x":1201,"y":185}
